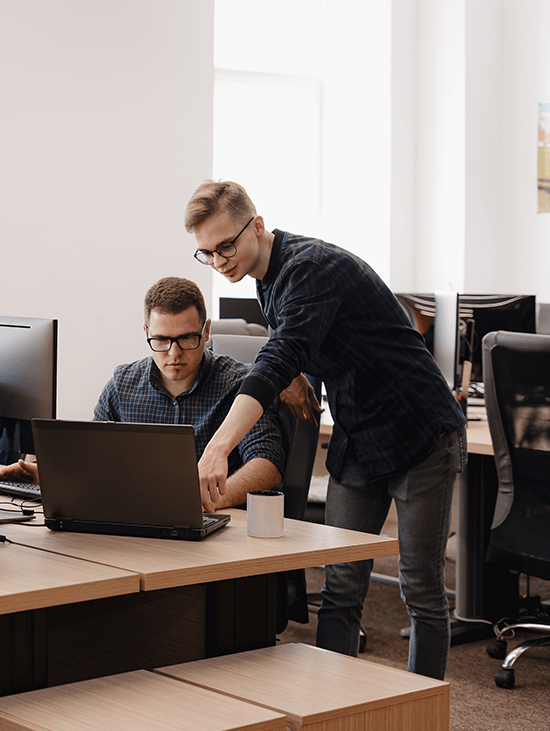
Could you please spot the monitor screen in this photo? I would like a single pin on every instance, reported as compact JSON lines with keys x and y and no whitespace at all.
{"x":478,"y":314}
{"x":484,"y":313}
{"x":436,"y":317}
{"x":28,"y":379}
{"x":241,"y":308}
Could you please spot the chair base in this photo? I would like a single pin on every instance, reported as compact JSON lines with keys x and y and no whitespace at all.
{"x":505,"y":677}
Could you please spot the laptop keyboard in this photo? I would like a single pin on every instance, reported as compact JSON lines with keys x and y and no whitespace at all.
{"x":20,"y":489}
{"x":207,"y":521}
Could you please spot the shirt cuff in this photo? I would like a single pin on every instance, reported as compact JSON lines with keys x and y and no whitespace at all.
{"x":259,"y":389}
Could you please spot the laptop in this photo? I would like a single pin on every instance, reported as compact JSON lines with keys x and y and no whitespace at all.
{"x":121,"y":479}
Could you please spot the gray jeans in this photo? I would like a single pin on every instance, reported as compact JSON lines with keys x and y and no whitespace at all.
{"x":423,"y":498}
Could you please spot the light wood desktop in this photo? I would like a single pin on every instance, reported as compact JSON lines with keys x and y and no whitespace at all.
{"x":136,"y":701}
{"x":36,"y":579}
{"x":196,"y":599}
{"x":319,"y":689}
{"x":479,"y":436}
{"x":230,"y":553}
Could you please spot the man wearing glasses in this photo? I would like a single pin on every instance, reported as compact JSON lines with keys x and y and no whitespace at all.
{"x":182,"y":382}
{"x":398,"y":430}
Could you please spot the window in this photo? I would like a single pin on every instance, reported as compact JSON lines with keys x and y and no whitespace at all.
{"x":302,"y":119}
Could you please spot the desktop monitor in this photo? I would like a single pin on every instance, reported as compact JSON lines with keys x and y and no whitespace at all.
{"x":28,"y":378}
{"x":436,"y":317}
{"x":484,"y":313}
{"x":478,"y":314}
{"x":241,"y":308}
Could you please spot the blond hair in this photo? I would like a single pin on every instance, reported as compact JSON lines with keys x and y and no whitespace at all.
{"x":212,"y":197}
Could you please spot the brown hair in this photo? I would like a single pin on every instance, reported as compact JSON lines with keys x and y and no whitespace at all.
{"x":173,"y":295}
{"x":212,"y":197}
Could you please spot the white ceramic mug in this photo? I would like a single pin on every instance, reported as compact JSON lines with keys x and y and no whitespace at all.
{"x":265,"y":513}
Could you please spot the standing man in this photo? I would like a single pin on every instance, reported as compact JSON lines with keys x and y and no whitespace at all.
{"x":398,"y":431}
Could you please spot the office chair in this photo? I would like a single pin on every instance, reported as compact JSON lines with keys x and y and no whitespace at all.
{"x":516,"y":373}
{"x":300,"y":445}
{"x":243,"y":348}
{"x":236,"y":326}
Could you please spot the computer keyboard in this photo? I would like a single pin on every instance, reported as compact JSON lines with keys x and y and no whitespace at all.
{"x":20,"y":489}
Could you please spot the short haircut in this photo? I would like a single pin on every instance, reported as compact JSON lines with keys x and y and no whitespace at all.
{"x":174,"y":295}
{"x":212,"y":197}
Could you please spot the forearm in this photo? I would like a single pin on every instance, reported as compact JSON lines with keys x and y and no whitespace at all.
{"x":258,"y":474}
{"x":242,"y":416}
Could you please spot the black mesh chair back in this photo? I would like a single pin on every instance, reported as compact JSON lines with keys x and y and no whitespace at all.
{"x":516,"y":374}
{"x":517,"y":396}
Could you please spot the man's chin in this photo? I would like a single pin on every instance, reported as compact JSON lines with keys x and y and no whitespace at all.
{"x":234,"y":276}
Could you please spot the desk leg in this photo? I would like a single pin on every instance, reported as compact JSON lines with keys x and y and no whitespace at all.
{"x":483,"y":591}
{"x":241,"y":614}
{"x":23,"y":640}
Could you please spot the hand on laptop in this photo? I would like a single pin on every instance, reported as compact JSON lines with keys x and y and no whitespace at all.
{"x":20,"y":471}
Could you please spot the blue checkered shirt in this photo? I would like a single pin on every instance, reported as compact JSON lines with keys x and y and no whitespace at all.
{"x":333,"y":317}
{"x":135,"y":393}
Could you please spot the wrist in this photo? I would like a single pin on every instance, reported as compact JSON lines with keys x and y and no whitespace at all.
{"x":221,"y":442}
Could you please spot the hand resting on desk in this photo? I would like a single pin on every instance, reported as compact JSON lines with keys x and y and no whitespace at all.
{"x":20,"y":471}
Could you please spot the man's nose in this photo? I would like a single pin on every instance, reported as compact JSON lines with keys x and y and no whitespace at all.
{"x":222,"y":259}
{"x":175,"y":342}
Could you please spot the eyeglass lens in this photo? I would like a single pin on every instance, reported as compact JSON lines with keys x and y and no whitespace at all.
{"x":185,"y":342}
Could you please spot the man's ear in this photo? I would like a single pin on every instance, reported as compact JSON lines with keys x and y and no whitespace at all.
{"x":206,"y":335}
{"x":259,"y":226}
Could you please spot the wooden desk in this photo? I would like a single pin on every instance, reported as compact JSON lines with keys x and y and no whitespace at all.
{"x":35,"y":579}
{"x":230,"y":553}
{"x":319,"y":689}
{"x":32,"y":581}
{"x":197,"y":599}
{"x":138,"y":701}
{"x":479,"y":437}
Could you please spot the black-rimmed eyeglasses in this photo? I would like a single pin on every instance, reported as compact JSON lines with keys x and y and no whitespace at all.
{"x":189,"y":341}
{"x":225,"y":250}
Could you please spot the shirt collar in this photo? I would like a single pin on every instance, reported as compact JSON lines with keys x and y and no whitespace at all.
{"x":273,"y":267}
{"x":156,"y":381}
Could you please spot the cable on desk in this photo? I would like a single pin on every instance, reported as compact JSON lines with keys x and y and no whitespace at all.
{"x":17,"y":508}
{"x":26,"y":506}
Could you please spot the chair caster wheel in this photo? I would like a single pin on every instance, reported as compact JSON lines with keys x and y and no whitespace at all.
{"x":505,"y":679}
{"x":497,"y":649}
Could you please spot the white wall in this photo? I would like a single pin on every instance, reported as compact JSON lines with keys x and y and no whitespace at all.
{"x":357,"y":129}
{"x":428,"y":88}
{"x":525,"y":83}
{"x":106,"y":129}
{"x":481,"y":66}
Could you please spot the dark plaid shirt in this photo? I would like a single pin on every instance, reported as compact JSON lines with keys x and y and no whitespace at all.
{"x":135,"y":393}
{"x":334,"y":318}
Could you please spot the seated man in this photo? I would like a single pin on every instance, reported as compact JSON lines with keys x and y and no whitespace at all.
{"x":182,"y":382}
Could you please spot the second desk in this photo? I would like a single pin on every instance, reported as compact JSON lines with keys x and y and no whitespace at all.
{"x":196,"y":599}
